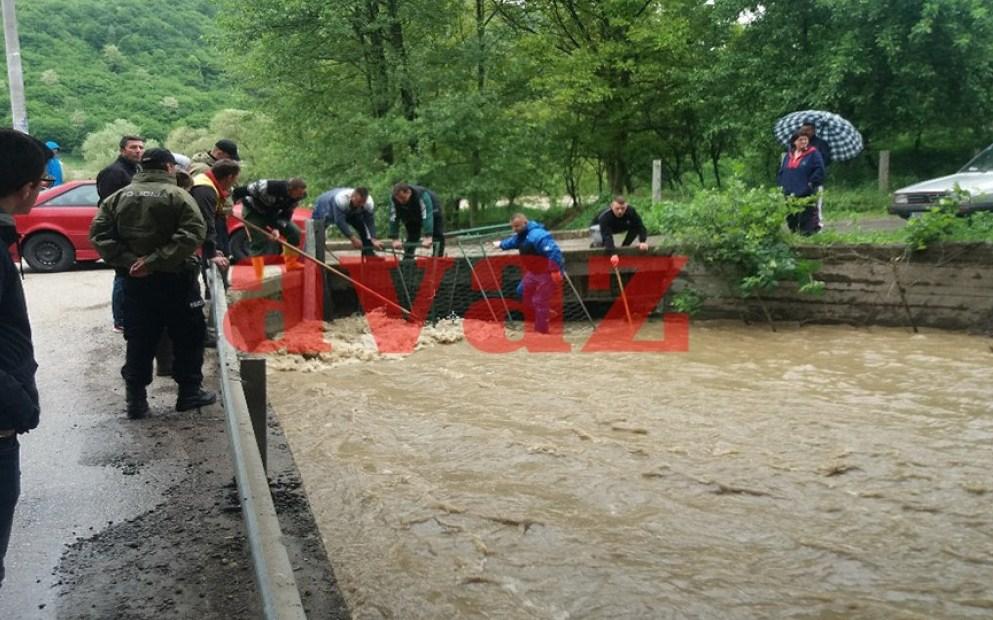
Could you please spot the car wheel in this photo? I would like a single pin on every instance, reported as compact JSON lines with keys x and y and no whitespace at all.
{"x":239,"y":245}
{"x":48,"y":252}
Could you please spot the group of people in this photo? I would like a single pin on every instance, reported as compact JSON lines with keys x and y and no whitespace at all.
{"x":163,"y":219}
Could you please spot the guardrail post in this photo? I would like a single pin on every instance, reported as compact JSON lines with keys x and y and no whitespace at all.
{"x":253,"y":383}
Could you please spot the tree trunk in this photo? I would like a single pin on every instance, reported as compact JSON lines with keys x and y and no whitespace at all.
{"x":377,"y":73}
{"x":476,"y":155}
{"x":407,"y":98}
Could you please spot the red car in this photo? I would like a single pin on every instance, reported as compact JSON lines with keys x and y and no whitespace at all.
{"x":56,"y":234}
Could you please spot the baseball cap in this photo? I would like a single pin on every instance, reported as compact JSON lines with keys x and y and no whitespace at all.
{"x":228,"y":147}
{"x":157,"y":156}
{"x":53,"y":145}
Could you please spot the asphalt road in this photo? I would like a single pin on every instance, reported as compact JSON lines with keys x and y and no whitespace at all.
{"x":127,"y":518}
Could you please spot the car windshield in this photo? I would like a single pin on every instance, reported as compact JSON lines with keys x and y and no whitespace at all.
{"x":981,"y":163}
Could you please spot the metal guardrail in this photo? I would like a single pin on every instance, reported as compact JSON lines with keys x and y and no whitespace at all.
{"x":273,"y":573}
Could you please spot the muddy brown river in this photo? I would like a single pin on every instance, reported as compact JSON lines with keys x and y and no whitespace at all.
{"x":817,"y":472}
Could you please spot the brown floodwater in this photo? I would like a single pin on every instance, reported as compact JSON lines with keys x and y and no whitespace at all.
{"x":817,"y":472}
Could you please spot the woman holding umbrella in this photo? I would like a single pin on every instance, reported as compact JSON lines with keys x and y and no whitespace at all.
{"x":800,"y":174}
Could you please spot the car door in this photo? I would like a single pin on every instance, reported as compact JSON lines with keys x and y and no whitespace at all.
{"x":72,"y":212}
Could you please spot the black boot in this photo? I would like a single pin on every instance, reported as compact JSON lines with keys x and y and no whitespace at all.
{"x":137,"y":401}
{"x":192,"y":396}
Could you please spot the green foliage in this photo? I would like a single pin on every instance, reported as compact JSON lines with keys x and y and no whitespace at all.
{"x":739,"y":229}
{"x":688,"y":300}
{"x":907,"y":73}
{"x":939,"y":223}
{"x":855,"y":200}
{"x":103,"y":146}
{"x":87,"y":63}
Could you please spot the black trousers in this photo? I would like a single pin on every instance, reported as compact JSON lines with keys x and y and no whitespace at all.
{"x":413,"y":227}
{"x":170,"y":302}
{"x":806,"y":222}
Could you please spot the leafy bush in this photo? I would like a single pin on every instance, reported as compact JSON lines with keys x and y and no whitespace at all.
{"x":738,"y":228}
{"x":102,"y":147}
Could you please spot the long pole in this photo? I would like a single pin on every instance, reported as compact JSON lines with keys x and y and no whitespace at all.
{"x":624,"y":297}
{"x":582,"y":305}
{"x":472,"y":274}
{"x":15,"y":75}
{"x":292,"y":247}
{"x":493,"y":275}
{"x":403,"y":280}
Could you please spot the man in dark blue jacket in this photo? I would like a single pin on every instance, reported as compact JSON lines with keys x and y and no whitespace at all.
{"x":543,"y":266}
{"x":801,"y":175}
{"x":22,"y":166}
{"x":618,"y":217}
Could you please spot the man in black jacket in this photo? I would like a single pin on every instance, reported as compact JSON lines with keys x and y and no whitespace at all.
{"x":22,"y":165}
{"x":269,"y":205}
{"x":119,"y":173}
{"x":618,"y":217}
{"x":109,"y":180}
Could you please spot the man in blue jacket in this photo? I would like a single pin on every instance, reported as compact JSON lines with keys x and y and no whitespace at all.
{"x":543,"y":266}
{"x":54,"y":166}
{"x":22,"y":166}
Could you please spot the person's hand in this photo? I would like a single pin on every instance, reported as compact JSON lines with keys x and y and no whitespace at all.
{"x":397,"y":244}
{"x":615,"y":260}
{"x":426,"y":242}
{"x":221,"y":262}
{"x":138,"y":269}
{"x":643,"y":246}
{"x":377,"y":244}
{"x":496,"y":244}
{"x":356,"y":243}
{"x":274,"y":235}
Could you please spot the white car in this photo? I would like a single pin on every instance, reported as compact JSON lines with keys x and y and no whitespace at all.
{"x":976,"y":178}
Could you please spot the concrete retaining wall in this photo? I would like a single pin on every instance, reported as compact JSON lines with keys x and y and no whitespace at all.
{"x":948,"y":286}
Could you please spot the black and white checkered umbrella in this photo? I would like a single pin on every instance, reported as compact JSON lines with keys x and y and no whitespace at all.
{"x":845,"y":141}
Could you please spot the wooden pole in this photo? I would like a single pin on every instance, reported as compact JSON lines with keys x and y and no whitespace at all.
{"x":656,"y":181}
{"x":624,"y":296}
{"x":884,"y":171}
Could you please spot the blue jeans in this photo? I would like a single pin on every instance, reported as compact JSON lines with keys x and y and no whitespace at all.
{"x":117,"y":300}
{"x":10,"y":489}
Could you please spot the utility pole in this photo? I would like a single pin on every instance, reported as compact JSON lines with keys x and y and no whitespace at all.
{"x":15,"y":76}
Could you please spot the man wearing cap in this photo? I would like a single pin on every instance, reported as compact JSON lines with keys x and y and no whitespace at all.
{"x":109,"y":180}
{"x":269,"y":205}
{"x":152,"y":229}
{"x":53,"y":169}
{"x":202,"y":161}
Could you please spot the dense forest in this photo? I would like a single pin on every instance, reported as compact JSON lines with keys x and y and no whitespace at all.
{"x":494,"y":100}
{"x":88,"y":62}
{"x":503,"y":98}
